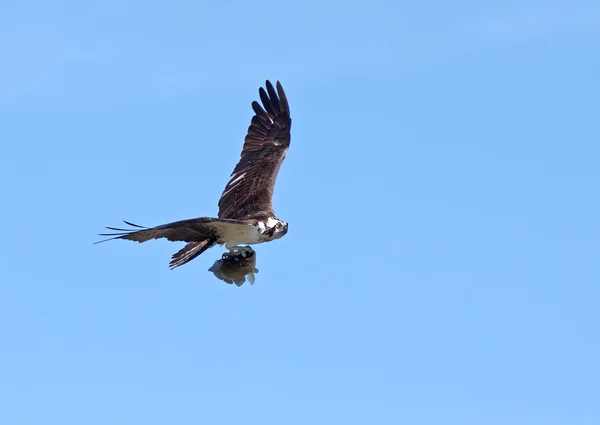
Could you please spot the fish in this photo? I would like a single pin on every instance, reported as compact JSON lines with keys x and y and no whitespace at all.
{"x":236,"y":267}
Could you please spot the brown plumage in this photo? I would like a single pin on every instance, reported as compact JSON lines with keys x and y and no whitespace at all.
{"x":249,"y":192}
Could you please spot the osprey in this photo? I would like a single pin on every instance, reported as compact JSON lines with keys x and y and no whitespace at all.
{"x":246,"y":206}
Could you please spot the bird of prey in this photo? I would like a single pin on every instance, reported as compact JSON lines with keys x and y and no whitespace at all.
{"x":246,"y":206}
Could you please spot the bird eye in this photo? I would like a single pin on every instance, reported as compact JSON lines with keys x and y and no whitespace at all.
{"x":278,"y":225}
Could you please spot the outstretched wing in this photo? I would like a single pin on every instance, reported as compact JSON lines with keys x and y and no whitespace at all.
{"x":200,"y":234}
{"x":249,"y":192}
{"x":194,"y":230}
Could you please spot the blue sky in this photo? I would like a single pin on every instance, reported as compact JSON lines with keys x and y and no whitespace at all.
{"x":442,"y":262}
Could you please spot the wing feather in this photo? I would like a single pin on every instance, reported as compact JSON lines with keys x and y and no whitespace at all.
{"x":192,"y":230}
{"x":184,"y":230}
{"x":249,"y":192}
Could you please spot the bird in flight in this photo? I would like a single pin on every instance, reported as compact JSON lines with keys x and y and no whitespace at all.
{"x":246,"y":213}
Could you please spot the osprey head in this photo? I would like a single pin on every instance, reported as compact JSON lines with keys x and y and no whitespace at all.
{"x":275,"y":228}
{"x":281,"y":228}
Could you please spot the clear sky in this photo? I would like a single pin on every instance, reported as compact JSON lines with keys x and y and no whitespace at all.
{"x":442,"y":188}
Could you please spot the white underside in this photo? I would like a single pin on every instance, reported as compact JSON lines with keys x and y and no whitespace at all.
{"x":239,"y":234}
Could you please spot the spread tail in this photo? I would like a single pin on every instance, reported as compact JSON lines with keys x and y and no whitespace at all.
{"x":190,"y":251}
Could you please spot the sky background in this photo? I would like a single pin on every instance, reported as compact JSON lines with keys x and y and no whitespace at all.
{"x":442,"y":189}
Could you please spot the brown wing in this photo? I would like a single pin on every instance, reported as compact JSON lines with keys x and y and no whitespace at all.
{"x":249,"y":193}
{"x":200,"y":234}
{"x":194,"y":230}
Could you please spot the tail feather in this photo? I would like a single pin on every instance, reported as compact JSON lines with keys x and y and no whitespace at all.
{"x":190,"y":251}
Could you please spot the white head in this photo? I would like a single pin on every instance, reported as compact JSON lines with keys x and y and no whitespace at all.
{"x":276,"y":228}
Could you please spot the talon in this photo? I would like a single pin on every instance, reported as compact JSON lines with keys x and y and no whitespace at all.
{"x":244,"y":251}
